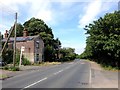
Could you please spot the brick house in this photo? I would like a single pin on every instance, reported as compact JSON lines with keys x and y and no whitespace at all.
{"x":34,"y":46}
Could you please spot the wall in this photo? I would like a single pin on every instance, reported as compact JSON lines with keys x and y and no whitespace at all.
{"x":39,"y":50}
{"x":29,"y":49}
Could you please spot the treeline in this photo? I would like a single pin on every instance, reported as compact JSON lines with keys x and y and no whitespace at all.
{"x":67,"y":54}
{"x":103,"y":42}
{"x":52,"y":47}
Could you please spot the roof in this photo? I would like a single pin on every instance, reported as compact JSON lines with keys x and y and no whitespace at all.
{"x":20,"y":39}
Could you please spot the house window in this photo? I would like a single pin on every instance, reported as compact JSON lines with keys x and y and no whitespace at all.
{"x":37,"y":44}
{"x":37,"y":57}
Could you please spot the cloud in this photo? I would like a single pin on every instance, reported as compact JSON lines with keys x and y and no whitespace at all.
{"x":92,"y":11}
{"x":42,"y":10}
{"x":38,"y":8}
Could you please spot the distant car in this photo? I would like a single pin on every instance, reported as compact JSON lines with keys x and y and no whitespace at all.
{"x":2,"y":63}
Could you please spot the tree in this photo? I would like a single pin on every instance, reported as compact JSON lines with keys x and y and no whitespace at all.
{"x":38,"y":26}
{"x":68,"y":54}
{"x":103,"y":42}
{"x":19,"y":30}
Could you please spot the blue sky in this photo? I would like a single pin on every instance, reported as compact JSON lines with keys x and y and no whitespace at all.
{"x":67,"y":18}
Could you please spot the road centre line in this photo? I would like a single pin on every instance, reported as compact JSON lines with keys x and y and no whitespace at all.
{"x":35,"y":83}
{"x":58,"y":72}
{"x":62,"y":70}
{"x":46,"y":78}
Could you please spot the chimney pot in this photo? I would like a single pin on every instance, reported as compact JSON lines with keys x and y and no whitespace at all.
{"x":6,"y":34}
{"x":25,"y":32}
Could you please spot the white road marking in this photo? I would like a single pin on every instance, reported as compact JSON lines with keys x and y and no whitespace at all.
{"x":90,"y":78}
{"x":58,"y":72}
{"x":46,"y":77}
{"x":35,"y":83}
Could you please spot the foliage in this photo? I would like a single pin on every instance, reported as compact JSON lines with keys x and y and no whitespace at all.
{"x":11,"y":68}
{"x":103,"y":42}
{"x":19,"y":30}
{"x":109,"y":67}
{"x":25,"y":61}
{"x":49,"y":54}
{"x":67,"y":54}
{"x":38,"y":26}
{"x":7,"y":56}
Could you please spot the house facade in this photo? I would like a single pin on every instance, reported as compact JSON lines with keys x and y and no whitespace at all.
{"x":33,"y":46}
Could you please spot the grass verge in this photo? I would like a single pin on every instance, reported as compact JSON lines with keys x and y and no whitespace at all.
{"x":2,"y":76}
{"x":108,"y":67}
{"x":47,"y":63}
{"x":11,"y":68}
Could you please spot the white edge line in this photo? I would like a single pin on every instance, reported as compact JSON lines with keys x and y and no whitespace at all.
{"x":90,"y":78}
{"x":35,"y":83}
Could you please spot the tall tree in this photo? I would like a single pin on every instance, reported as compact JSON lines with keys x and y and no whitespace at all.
{"x":19,"y":30}
{"x":103,"y":42}
{"x":67,"y":54}
{"x":38,"y":26}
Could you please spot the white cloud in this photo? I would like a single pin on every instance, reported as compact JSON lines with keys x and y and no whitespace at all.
{"x":45,"y":15}
{"x":38,"y":8}
{"x":92,"y":11}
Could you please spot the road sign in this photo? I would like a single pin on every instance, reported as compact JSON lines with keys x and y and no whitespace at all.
{"x":22,"y":48}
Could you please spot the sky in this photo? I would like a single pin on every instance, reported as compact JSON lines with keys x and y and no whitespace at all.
{"x":67,"y":18}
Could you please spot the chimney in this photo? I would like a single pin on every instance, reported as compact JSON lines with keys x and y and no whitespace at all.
{"x":6,"y":34}
{"x":25,"y":32}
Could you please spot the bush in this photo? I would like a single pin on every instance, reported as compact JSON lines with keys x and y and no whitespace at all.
{"x":14,"y":68}
{"x":26,"y":62}
{"x":6,"y":68}
{"x":11,"y":68}
{"x":7,"y":56}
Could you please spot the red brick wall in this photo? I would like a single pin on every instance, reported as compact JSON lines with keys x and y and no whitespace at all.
{"x":29,"y":46}
{"x":29,"y":49}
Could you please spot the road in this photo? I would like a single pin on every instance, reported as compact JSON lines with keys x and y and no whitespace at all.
{"x":76,"y":74}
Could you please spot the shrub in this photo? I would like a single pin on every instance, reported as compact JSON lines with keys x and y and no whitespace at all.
{"x":25,"y":61}
{"x":7,"y":55}
{"x":6,"y":68}
{"x":11,"y":68}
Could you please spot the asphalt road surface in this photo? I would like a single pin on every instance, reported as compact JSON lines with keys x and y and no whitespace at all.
{"x":76,"y":74}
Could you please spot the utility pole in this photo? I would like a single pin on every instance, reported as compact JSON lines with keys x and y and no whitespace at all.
{"x":14,"y":53}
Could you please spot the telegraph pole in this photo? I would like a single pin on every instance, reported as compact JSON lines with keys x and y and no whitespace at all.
{"x":14,"y":53}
